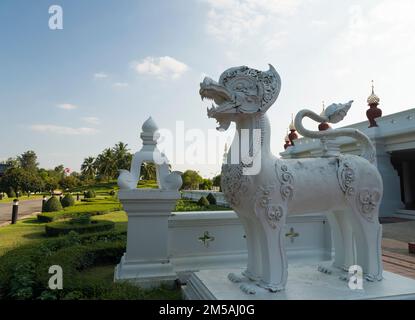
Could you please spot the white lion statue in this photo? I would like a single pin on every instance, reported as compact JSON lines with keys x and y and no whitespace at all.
{"x":263,"y":189}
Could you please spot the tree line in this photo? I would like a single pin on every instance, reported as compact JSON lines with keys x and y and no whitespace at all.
{"x":23,"y":175}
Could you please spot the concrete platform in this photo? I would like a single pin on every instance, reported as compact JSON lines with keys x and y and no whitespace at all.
{"x":304,"y":283}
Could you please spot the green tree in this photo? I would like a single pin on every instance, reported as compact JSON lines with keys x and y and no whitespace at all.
{"x":51,"y":184}
{"x":69,"y":182}
{"x":28,"y":161}
{"x":122,"y":156}
{"x":206,"y":184}
{"x":191,"y":179}
{"x":60,"y":171}
{"x":13,"y":178}
{"x":31,"y":182}
{"x":148,"y":171}
{"x":216,"y":180}
{"x":88,"y":168}
{"x":106,"y":164}
{"x":12,"y":162}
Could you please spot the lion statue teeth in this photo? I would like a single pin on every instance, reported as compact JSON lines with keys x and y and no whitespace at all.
{"x":265,"y":190}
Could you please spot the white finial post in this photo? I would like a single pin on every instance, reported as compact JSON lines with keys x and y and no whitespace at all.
{"x":146,"y":260}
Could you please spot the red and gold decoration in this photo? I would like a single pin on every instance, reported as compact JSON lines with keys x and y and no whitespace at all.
{"x":292,"y":135}
{"x":373,"y":112}
{"x":323,"y":125}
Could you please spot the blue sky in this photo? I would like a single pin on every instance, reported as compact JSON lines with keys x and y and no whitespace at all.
{"x":70,"y":93}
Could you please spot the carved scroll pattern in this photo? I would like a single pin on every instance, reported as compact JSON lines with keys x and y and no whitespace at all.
{"x":367,"y":201}
{"x":286,"y":179}
{"x":234,"y":183}
{"x":264,"y":205}
{"x":347,"y":177}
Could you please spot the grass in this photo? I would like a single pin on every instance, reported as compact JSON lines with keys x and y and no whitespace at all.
{"x":23,"y":232}
{"x":22,"y":198}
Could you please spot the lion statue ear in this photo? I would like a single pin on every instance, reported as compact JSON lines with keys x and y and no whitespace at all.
{"x":271,"y":82}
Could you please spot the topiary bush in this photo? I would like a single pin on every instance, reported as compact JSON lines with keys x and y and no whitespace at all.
{"x":68,"y":201}
{"x":203,"y":202}
{"x":89,"y":194}
{"x":211,"y":198}
{"x":87,"y":226}
{"x":53,"y":204}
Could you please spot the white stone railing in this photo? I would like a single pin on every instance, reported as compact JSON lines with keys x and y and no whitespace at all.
{"x":216,"y":239}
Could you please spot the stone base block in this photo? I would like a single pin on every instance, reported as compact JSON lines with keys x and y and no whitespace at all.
{"x":146,"y":274}
{"x":304,"y":283}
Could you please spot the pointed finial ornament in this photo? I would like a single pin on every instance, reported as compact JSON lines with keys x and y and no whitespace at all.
{"x":287,"y":140}
{"x":149,"y":133}
{"x":292,"y":126}
{"x":323,"y":125}
{"x":293,"y":135}
{"x":373,"y":112}
{"x":373,"y":98}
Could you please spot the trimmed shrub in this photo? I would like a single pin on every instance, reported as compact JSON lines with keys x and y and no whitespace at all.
{"x":90,"y":194}
{"x":203,"y":202}
{"x":53,"y":204}
{"x":64,"y":227}
{"x":211,"y":198}
{"x":67,"y":201}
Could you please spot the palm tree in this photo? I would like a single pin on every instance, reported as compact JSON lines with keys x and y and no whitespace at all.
{"x":88,"y":167}
{"x":106,"y":164}
{"x":148,"y":171}
{"x":122,"y":155}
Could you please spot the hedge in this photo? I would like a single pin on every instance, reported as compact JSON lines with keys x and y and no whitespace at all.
{"x":52,"y":205}
{"x":55,"y":216}
{"x":58,"y":228}
{"x":90,"y":194}
{"x":68,"y":201}
{"x":203,"y":202}
{"x":24,"y":270}
{"x":211,"y":198}
{"x":93,"y":209}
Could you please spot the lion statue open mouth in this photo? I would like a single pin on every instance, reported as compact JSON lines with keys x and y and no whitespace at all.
{"x":348,"y":188}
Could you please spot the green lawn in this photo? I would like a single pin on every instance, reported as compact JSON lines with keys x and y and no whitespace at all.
{"x":23,"y":232}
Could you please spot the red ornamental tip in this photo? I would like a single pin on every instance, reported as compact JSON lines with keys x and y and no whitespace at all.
{"x":372,"y":113}
{"x":323,"y":126}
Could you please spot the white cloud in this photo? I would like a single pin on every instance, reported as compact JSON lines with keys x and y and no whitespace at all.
{"x":161,"y":67}
{"x":91,"y":120}
{"x":120,"y":84}
{"x":67,"y":106}
{"x":100,"y":75}
{"x":387,"y":27}
{"x":238,"y":20}
{"x":53,"y":129}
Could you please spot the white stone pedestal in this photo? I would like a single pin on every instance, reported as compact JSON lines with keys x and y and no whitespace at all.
{"x":146,"y":261}
{"x":304,"y":283}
